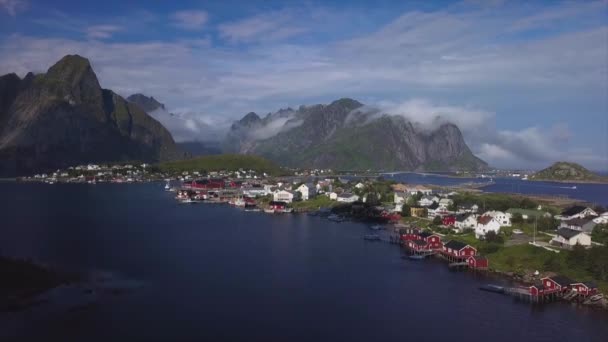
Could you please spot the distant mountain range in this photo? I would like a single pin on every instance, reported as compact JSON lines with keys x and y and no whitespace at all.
{"x":63,"y":117}
{"x":565,"y":171}
{"x":349,"y":136}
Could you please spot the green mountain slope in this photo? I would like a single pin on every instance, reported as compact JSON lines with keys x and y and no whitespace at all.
{"x":565,"y":171}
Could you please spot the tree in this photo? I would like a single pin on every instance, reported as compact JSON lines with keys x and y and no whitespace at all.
{"x":492,"y":237}
{"x":372,"y":199}
{"x":577,"y":257}
{"x":546,"y":223}
{"x":517,"y":218}
{"x":437,"y":220}
{"x":600,"y":233}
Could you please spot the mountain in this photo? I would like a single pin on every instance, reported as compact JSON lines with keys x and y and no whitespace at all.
{"x":148,"y":104}
{"x":64,"y":117}
{"x":565,"y":171}
{"x":347,"y":135}
{"x":199,"y":148}
{"x":229,"y":162}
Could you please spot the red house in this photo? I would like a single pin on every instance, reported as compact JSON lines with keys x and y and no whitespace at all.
{"x":478,"y":262}
{"x":557,"y":284}
{"x":449,"y":220}
{"x":458,"y":250}
{"x":276,"y":205}
{"x":417,"y":245}
{"x":409,"y":234}
{"x":584,"y":288}
{"x":433,"y":241}
{"x":206,"y":184}
{"x":537,"y":289}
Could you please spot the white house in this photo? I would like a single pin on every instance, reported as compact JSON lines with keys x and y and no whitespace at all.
{"x":428,"y":200}
{"x":283,"y":196}
{"x":400,"y":197}
{"x":486,"y":224}
{"x":576,"y":211}
{"x":347,"y":198}
{"x":568,"y":238}
{"x":445,"y":202}
{"x":359,"y":185}
{"x":465,"y":221}
{"x":602,"y":219}
{"x":332,"y":196}
{"x":307,"y":190}
{"x":504,"y":219}
{"x":468,"y":208}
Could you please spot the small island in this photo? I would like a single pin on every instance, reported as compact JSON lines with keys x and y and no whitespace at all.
{"x":568,"y":172}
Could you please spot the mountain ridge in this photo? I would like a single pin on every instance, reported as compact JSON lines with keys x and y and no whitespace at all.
{"x":567,"y":171}
{"x":347,"y":135}
{"x":63,"y":117}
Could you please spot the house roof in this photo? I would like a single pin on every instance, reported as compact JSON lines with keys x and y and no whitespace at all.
{"x":485,"y":219}
{"x":466,"y":205}
{"x":579,"y":222}
{"x":573,"y":210}
{"x":425,"y":234}
{"x":457,"y":245}
{"x":419,"y":242}
{"x":568,"y":233}
{"x":561,"y":280}
{"x":462,"y":217}
{"x":478,"y":257}
{"x":433,"y":206}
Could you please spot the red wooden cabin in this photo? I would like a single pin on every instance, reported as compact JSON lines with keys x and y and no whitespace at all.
{"x":449,"y":220}
{"x":478,"y":262}
{"x":584,"y":288}
{"x":556,"y":284}
{"x":433,"y":241}
{"x":457,"y":249}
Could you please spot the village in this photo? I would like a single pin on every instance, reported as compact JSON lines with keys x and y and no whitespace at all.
{"x":468,"y":231}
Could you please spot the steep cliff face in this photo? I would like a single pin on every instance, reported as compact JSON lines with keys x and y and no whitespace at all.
{"x":64,"y":117}
{"x":344,"y":135}
{"x":148,"y":104}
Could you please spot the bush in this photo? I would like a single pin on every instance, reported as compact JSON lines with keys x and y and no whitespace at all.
{"x":437,"y":220}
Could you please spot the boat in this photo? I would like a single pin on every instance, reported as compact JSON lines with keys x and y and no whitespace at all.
{"x":596,"y":297}
{"x":492,"y":288}
{"x":417,"y":257}
{"x":167,"y":187}
{"x":253,"y":209}
{"x":573,"y":187}
{"x":269,"y":211}
{"x":376,"y":227}
{"x":239,"y":202}
{"x":287,"y":210}
{"x":371,"y":237}
{"x":335,"y":218}
{"x":188,"y":201}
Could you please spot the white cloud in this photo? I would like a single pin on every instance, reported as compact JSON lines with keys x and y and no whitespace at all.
{"x":102,"y":31}
{"x":12,"y":7}
{"x":271,"y":26}
{"x":190,"y":19}
{"x":470,"y":59}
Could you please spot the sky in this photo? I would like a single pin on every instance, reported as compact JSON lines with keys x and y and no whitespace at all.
{"x":526,"y":82}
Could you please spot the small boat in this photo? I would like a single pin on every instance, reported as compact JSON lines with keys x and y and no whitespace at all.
{"x":573,"y":187}
{"x":417,"y":257}
{"x":596,"y":297}
{"x":371,"y":237}
{"x":335,"y":218}
{"x":188,"y":201}
{"x":167,"y":187}
{"x":253,"y":209}
{"x":376,"y":227}
{"x":492,"y":288}
{"x":269,"y":211}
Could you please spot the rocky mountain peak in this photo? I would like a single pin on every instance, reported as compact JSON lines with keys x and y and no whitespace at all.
{"x":72,"y":79}
{"x":148,"y":104}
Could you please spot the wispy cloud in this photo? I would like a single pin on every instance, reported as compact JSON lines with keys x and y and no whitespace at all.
{"x":190,"y":19}
{"x":12,"y":7}
{"x":272,"y":26}
{"x":102,"y":31}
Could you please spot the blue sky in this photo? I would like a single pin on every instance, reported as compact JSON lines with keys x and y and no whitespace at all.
{"x":526,"y":82}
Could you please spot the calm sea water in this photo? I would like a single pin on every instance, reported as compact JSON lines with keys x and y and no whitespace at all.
{"x":216,"y":273}
{"x":593,"y":193}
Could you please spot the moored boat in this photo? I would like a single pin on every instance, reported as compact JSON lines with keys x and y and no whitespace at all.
{"x":376,"y":227}
{"x":417,"y":257}
{"x":371,"y":237}
{"x":492,"y":288}
{"x":269,"y":211}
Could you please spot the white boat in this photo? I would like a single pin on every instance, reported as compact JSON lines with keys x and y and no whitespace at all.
{"x":288,"y":210}
{"x":167,"y":187}
{"x":269,"y":211}
{"x":188,"y":201}
{"x":239,"y":202}
{"x":376,"y":227}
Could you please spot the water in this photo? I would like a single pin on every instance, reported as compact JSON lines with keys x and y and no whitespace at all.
{"x":217,"y":273}
{"x":593,"y":193}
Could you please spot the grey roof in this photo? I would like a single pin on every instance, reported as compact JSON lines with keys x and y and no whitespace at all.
{"x":573,"y":210}
{"x":568,"y":233}
{"x":457,"y":245}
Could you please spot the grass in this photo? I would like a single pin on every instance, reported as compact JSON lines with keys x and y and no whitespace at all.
{"x":223,"y":162}
{"x":315,"y":203}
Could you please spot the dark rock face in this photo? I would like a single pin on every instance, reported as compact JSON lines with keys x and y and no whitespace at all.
{"x":147,"y":104}
{"x":345,"y":135}
{"x":64,"y":117}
